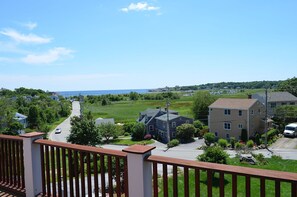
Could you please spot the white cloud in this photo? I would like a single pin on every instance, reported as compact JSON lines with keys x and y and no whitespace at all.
{"x":140,"y":6}
{"x":29,"y":38}
{"x":30,"y":25}
{"x":6,"y":60}
{"x":51,"y":56}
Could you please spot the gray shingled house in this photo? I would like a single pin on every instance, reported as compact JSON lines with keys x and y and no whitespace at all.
{"x":275,"y":99}
{"x":155,"y":121}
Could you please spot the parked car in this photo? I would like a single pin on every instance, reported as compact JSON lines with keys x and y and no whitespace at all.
{"x":248,"y":158}
{"x":58,"y":130}
{"x":291,"y":130}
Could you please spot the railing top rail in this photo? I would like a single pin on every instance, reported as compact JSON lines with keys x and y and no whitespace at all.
{"x":11,"y":137}
{"x":82,"y":148}
{"x":269,"y":174}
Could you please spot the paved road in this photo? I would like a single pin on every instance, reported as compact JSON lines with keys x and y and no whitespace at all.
{"x":65,"y":126}
{"x":285,"y":143}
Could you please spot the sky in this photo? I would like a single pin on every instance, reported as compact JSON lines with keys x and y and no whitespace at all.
{"x":60,"y":45}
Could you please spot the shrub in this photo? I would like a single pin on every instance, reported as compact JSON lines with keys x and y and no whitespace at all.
{"x":214,"y":154}
{"x":244,"y":135}
{"x":250,"y":144}
{"x":209,"y":138}
{"x":203,"y":131}
{"x":138,"y":132}
{"x":173,"y":143}
{"x":185,"y":133}
{"x":239,"y":145}
{"x":232,"y":141}
{"x":270,"y":134}
{"x":222,"y":143}
{"x":126,"y":134}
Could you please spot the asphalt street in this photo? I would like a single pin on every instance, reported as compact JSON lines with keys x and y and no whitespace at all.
{"x":65,"y":126}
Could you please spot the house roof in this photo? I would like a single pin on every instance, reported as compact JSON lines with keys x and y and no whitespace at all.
{"x":153,"y":112}
{"x":231,"y":103}
{"x":99,"y":121}
{"x":171,"y":117}
{"x":20,"y":116}
{"x":275,"y":97}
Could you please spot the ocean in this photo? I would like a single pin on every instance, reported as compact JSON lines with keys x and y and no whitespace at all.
{"x":100,"y":92}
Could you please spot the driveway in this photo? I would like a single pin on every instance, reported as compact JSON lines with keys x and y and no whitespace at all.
{"x":65,"y":126}
{"x":285,"y":143}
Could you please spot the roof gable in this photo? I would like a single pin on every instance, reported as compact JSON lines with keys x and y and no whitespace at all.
{"x":275,"y":97}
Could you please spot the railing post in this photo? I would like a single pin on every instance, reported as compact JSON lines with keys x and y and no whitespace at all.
{"x":139,"y":171}
{"x":32,"y":163}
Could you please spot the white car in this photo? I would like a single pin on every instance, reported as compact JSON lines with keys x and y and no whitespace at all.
{"x":58,"y":130}
{"x":291,"y":130}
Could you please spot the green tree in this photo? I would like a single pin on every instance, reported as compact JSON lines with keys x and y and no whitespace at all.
{"x":214,"y":154}
{"x":223,"y":143}
{"x":34,"y":117}
{"x":128,"y":127}
{"x":202,"y":100}
{"x":289,"y":85}
{"x":209,"y":138}
{"x":108,"y":130}
{"x":133,"y":96}
{"x":138,"y":131}
{"x":185,"y":133}
{"x":83,"y":131}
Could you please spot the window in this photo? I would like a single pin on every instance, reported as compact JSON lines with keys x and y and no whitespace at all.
{"x":272,"y":105}
{"x":187,"y":121}
{"x":252,"y":111}
{"x":284,"y":103}
{"x":216,"y":134}
{"x":227,"y":136}
{"x":240,"y":126}
{"x":259,"y":111}
{"x":292,"y":103}
{"x":227,"y":111}
{"x":240,"y":113}
{"x":227,"y":126}
{"x":173,"y":134}
{"x":151,"y":127}
{"x":173,"y":124}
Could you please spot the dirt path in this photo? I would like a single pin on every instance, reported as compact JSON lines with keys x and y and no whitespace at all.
{"x":285,"y":143}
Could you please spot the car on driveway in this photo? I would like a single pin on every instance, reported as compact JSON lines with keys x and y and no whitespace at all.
{"x":291,"y":130}
{"x":58,"y":130}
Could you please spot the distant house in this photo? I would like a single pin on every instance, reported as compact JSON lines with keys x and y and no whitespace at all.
{"x":155,"y":121}
{"x":275,"y":99}
{"x":228,"y":117}
{"x":100,"y":121}
{"x":54,"y":97}
{"x":21,"y":119}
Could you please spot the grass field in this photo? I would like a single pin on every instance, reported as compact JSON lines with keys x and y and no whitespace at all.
{"x":129,"y":142}
{"x":273,"y":164}
{"x":127,"y":111}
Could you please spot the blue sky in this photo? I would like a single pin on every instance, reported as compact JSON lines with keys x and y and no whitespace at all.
{"x":123,"y":44}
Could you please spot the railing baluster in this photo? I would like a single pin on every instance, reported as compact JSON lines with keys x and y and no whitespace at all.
{"x":18,"y":152}
{"x":22,"y":165}
{"x":47,"y":166}
{"x":155,"y":178}
{"x":102,"y":174}
{"x":186,"y":181}
{"x":70,"y":171}
{"x":14,"y":163}
{"x":76,"y":175}
{"x":110,"y":186}
{"x":64,"y":172}
{"x":53,"y":171}
{"x":5,"y":161}
{"x":197,"y":182}
{"x":1,"y":160}
{"x":42,"y":169}
{"x":59,"y":171}
{"x":294,"y":189}
{"x":82,"y":174}
{"x":234,"y":185}
{"x":89,"y":175}
{"x":10,"y":163}
{"x":262,"y":187}
{"x":165,"y":180}
{"x":118,"y":177}
{"x":209,"y":183}
{"x":247,"y":186}
{"x":175,"y":181}
{"x":277,"y":188}
{"x":222,"y":184}
{"x":95,"y":160}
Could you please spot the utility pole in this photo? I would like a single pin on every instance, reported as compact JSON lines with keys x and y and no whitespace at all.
{"x":265,"y":128}
{"x":167,"y":111}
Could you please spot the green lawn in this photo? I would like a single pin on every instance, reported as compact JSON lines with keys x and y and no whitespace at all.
{"x":273,"y":164}
{"x":129,"y":142}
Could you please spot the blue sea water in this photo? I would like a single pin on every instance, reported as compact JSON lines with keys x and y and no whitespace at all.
{"x":100,"y":92}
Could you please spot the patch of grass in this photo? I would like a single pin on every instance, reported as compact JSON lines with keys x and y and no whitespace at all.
{"x":129,"y":142}
{"x":273,"y":164}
